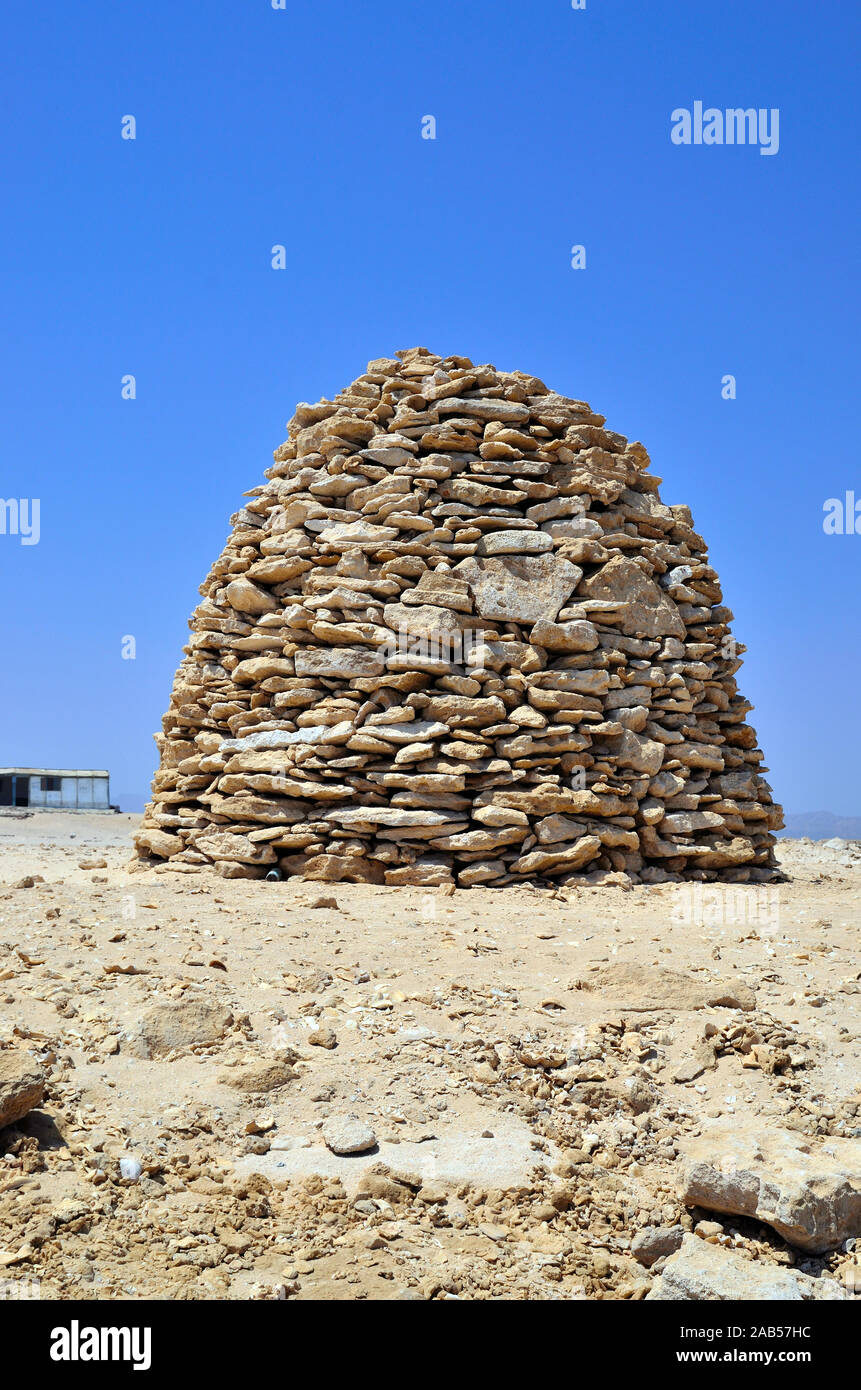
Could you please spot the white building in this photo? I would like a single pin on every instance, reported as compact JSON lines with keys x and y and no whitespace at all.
{"x":55,"y":789}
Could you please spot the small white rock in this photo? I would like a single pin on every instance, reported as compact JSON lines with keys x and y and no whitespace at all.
{"x":347,"y":1134}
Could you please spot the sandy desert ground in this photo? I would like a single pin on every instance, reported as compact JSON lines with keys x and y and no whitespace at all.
{"x":526,"y":1072}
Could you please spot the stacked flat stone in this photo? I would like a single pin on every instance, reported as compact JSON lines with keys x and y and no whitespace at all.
{"x":457,"y":637}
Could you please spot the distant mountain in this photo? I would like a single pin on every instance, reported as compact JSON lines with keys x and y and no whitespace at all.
{"x":821,"y":825}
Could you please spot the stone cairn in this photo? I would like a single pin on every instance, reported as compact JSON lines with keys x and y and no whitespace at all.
{"x":457,"y":638}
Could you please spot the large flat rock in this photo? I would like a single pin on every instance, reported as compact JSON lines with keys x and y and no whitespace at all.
{"x":178,"y":1026}
{"x":644,"y":989}
{"x":458,"y":1154}
{"x":337,"y":662}
{"x":701,"y":1272}
{"x":520,"y":588}
{"x":647,"y":610}
{"x":22,"y":1086}
{"x":808,"y":1190}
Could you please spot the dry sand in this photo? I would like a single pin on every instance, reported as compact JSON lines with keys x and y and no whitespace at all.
{"x":520,"y":1055}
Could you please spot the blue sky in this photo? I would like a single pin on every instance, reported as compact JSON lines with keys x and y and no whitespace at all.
{"x":302,"y":127}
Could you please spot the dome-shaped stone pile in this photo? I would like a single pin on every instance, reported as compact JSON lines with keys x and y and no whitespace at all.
{"x":457,"y":637}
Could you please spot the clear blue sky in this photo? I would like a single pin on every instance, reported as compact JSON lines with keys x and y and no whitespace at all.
{"x":302,"y":126}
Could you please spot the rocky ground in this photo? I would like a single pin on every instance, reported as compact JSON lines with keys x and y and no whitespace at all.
{"x":577,"y":1093}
